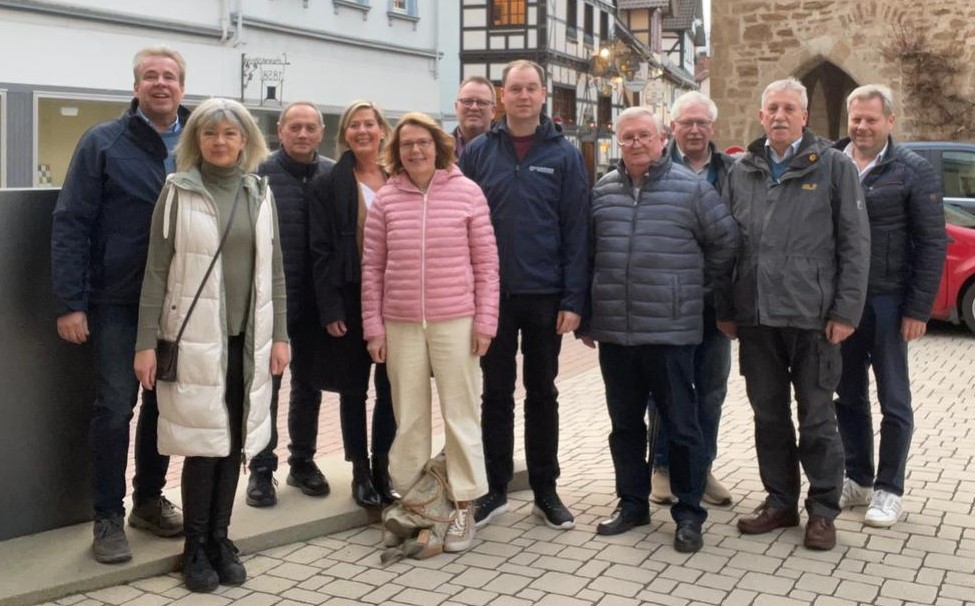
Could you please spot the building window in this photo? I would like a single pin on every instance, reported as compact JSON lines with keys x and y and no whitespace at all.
{"x":603,"y":26}
{"x":564,"y":104}
{"x":507,"y":13}
{"x":359,"y":5}
{"x":604,"y":112}
{"x":60,"y":124}
{"x":403,"y":10}
{"x":572,"y":21}
{"x":587,"y":24}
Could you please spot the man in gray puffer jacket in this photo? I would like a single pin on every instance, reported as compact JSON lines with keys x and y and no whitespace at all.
{"x":656,"y":229}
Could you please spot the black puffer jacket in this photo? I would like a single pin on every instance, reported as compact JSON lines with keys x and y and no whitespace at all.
{"x":290,"y":182}
{"x":907,"y":229}
{"x":651,"y":254}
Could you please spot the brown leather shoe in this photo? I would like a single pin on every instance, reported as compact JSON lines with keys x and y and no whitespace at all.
{"x":820,"y":533}
{"x":768,"y":519}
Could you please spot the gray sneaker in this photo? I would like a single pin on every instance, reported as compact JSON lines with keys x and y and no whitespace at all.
{"x":158,"y":517}
{"x":110,"y":545}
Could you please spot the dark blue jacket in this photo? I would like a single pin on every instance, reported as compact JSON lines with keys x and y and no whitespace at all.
{"x":291,"y":182}
{"x":907,"y":229}
{"x":540,"y":211}
{"x":100,"y":231}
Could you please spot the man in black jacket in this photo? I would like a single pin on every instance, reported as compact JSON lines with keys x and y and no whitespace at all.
{"x":908,"y":243}
{"x":290,"y":171}
{"x":99,"y":241}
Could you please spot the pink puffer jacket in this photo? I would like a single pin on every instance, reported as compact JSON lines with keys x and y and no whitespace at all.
{"x":429,"y":257}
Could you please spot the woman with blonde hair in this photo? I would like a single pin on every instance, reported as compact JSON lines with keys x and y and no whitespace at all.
{"x":335,"y":224}
{"x":214,"y":285}
{"x":430,"y":291}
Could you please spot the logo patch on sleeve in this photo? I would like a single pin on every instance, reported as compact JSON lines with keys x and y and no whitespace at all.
{"x":809,"y":186}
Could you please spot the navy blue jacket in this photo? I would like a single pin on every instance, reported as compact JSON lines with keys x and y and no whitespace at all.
{"x":100,"y":230}
{"x":907,"y":229}
{"x":291,"y":182}
{"x":540,"y":211}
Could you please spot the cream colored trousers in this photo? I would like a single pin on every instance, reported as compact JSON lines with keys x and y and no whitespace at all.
{"x":412,"y":352}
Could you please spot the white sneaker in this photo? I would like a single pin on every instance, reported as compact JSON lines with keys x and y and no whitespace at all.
{"x":460,"y":534}
{"x":884,"y":510}
{"x":854,"y":495}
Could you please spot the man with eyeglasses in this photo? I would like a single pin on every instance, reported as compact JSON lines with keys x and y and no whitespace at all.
{"x":537,"y":189}
{"x":475,"y":110}
{"x":657,"y":232}
{"x":290,"y":171}
{"x":692,"y":118}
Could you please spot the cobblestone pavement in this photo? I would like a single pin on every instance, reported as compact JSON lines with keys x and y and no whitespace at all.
{"x":927,"y":558}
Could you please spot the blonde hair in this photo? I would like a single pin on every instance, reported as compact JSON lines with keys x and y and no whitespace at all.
{"x":158,"y":51}
{"x":210,"y":113}
{"x":350,"y":111}
{"x":443,"y":143}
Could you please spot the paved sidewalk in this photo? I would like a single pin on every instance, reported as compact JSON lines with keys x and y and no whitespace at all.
{"x":927,"y":558}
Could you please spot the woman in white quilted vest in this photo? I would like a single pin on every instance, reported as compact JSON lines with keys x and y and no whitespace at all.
{"x":214,"y":284}
{"x":430,"y":296}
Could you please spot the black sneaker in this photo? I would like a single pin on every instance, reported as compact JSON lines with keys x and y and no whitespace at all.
{"x":307,"y":477}
{"x":260,"y":489}
{"x":158,"y":516}
{"x":110,"y":545}
{"x":549,"y":507}
{"x":489,"y":507}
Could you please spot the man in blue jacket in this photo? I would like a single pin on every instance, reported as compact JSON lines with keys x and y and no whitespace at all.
{"x":536,"y":186}
{"x":908,"y":242}
{"x":100,"y":236}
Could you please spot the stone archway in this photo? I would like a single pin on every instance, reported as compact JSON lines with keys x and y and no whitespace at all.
{"x":828,"y":87}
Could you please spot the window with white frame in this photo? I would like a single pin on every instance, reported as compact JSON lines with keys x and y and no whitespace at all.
{"x":403,"y":9}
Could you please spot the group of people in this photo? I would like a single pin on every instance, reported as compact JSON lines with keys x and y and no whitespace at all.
{"x":419,"y":254}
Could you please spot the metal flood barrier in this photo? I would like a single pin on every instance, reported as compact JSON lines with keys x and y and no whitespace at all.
{"x":46,"y":384}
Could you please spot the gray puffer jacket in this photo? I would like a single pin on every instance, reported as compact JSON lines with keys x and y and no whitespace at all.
{"x":805,"y":239}
{"x":651,"y":252}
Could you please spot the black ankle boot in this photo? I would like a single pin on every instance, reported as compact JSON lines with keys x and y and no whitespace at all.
{"x":223,"y":556}
{"x":198,"y":574}
{"x":380,"y":479}
{"x":363,"y":492}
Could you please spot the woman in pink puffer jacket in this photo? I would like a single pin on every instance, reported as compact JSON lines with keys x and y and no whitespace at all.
{"x":430,"y":291}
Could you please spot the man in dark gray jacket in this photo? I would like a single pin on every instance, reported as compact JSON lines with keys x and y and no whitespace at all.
{"x":656,"y":229}
{"x":799,"y":288}
{"x":908,"y":242}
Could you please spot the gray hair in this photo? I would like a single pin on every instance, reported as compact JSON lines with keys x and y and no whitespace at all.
{"x":293,"y":104}
{"x":873,"y":91}
{"x":638,"y":111}
{"x":158,"y":51}
{"x":689,"y":98}
{"x":788,"y":84}
{"x":210,"y":113}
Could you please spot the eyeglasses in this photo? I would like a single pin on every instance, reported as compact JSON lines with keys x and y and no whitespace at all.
{"x":423,"y":144}
{"x":701,"y":124}
{"x":643,"y":139}
{"x":480,"y":103}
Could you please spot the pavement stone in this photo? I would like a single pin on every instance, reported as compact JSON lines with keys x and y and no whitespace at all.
{"x":926,"y":558}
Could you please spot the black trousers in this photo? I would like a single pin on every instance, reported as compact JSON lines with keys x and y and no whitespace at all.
{"x":534,"y":317}
{"x":774,"y":361}
{"x":210,"y":483}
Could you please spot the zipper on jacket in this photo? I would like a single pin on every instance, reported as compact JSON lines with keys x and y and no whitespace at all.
{"x":629,"y":257}
{"x":423,"y":261}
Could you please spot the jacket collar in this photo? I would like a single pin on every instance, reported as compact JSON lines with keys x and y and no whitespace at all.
{"x":295,"y":168}
{"x":546,"y":129}
{"x":440,"y":177}
{"x":655,"y":171}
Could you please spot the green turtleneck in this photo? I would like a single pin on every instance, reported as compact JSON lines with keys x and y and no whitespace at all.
{"x":236,"y":258}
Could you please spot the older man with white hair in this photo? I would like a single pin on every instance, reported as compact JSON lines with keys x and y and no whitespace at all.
{"x":692,"y":119}
{"x":799,"y":287}
{"x":656,"y":231}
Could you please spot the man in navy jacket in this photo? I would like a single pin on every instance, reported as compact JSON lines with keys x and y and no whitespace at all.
{"x":537,"y":188}
{"x":100,"y":236}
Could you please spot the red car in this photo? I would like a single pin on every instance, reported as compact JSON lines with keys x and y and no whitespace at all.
{"x":956,"y":295}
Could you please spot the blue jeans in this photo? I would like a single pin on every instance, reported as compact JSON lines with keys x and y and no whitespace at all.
{"x":631,"y":374}
{"x":712,"y":365}
{"x":112,"y":335}
{"x":877,"y":342}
